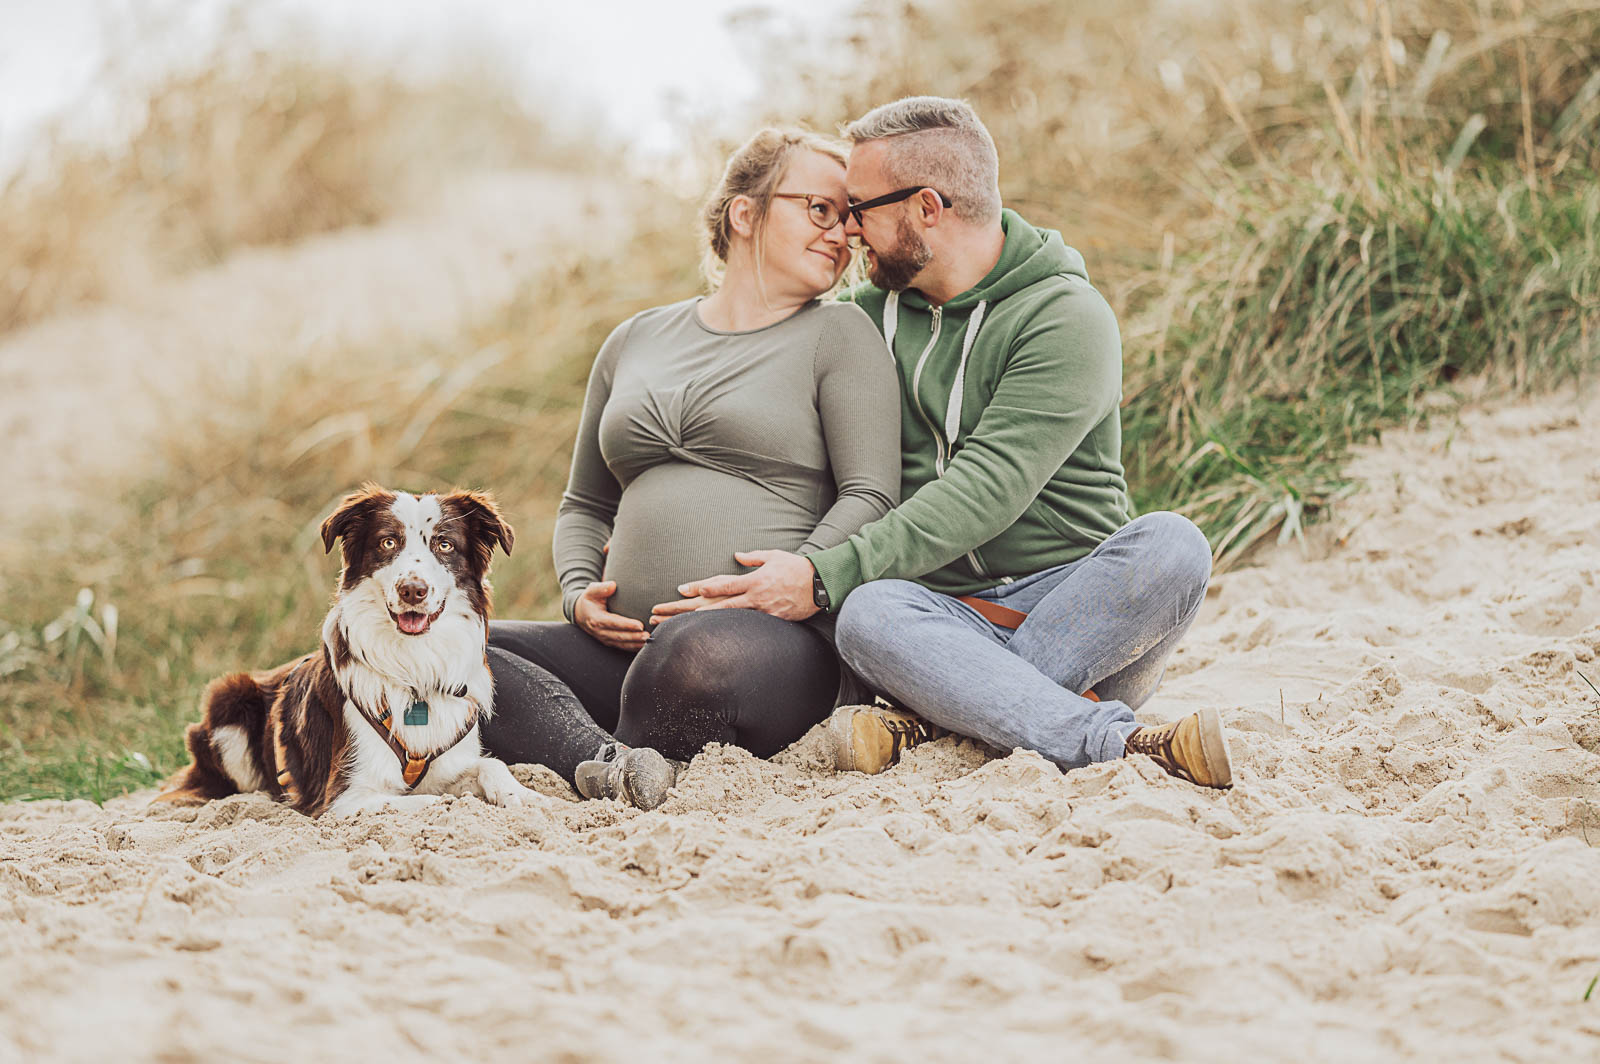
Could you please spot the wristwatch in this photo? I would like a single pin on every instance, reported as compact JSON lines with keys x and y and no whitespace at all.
{"x":819,"y":593}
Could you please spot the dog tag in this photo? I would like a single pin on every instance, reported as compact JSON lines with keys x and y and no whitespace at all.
{"x":417,"y":713}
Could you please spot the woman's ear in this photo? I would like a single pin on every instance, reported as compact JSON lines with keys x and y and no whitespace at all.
{"x":742,"y":216}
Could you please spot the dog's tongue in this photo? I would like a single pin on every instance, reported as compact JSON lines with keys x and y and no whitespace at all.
{"x":412,"y":623}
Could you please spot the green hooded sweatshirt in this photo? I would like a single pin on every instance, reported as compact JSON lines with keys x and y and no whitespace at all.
{"x":1010,"y":438}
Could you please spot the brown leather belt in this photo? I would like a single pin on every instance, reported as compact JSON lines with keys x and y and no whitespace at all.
{"x":994,"y":613}
{"x":1005,"y":617}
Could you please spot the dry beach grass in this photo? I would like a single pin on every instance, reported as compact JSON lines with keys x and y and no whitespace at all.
{"x":240,"y":148}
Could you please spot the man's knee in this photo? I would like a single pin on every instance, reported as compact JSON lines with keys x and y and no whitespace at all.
{"x":1175,"y":544}
{"x":870,"y":614}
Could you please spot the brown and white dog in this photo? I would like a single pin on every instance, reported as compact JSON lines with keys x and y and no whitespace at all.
{"x":387,"y":712}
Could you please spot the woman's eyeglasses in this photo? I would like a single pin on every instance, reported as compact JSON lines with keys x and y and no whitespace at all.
{"x":823,"y":212}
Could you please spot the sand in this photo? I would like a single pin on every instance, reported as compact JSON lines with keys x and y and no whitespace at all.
{"x":1405,"y":869}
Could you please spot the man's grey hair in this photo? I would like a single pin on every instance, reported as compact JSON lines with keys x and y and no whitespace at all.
{"x":940,"y":144}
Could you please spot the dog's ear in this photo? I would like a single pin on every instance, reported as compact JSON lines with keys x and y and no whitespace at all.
{"x":354,"y":509}
{"x":485,"y":526}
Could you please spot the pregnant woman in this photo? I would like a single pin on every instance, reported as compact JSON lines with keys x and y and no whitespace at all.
{"x":757,"y":416}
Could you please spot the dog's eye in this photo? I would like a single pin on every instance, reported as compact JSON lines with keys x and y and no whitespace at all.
{"x":443,"y":546}
{"x":388,"y":543}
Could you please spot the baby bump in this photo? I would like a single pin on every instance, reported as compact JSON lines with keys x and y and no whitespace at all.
{"x":678,"y":522}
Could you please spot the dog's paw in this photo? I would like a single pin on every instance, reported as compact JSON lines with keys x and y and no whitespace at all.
{"x":513,"y":796}
{"x":351,"y":804}
{"x":180,"y":797}
{"x":500,"y":787}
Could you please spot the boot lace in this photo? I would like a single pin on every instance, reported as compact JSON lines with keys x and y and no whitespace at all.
{"x":906,"y":732}
{"x":1156,"y":743}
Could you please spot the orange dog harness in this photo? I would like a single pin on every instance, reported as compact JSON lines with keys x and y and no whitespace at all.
{"x":413,"y":766}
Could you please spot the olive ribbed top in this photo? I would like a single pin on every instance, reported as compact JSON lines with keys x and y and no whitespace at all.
{"x":695,"y":443}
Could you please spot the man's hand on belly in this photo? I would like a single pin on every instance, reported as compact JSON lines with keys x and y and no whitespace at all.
{"x":780,"y":585}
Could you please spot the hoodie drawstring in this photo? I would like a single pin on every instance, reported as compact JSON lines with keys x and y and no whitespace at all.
{"x":958,"y":389}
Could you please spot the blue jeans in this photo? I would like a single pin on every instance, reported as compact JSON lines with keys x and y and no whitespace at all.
{"x":1107,"y":621}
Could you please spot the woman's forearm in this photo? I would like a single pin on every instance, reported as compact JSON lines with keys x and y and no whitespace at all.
{"x":579,"y":549}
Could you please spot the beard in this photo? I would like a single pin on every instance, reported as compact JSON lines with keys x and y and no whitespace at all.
{"x":893,"y":269}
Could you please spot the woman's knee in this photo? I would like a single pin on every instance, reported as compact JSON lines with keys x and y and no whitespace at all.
{"x":502,"y":663}
{"x":518,"y":679}
{"x":697,"y":657}
{"x":511,"y":636}
{"x":683,"y":689}
{"x":729,"y":676}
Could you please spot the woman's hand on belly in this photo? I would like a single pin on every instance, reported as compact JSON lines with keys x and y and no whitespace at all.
{"x":611,"y":629}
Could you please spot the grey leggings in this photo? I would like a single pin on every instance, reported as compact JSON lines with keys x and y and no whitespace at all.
{"x":727,"y":676}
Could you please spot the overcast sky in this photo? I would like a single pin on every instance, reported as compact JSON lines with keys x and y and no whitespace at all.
{"x":637,"y":63}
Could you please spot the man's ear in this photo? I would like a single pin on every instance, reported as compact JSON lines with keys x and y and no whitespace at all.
{"x":485,"y":526}
{"x":352,"y":511}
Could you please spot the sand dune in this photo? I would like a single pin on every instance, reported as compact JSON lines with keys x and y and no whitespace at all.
{"x":84,"y":390}
{"x":1405,"y":869}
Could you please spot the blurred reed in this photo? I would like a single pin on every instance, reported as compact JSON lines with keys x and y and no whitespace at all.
{"x":250,"y":147}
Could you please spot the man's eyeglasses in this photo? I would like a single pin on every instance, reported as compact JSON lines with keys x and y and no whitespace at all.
{"x":855,"y":209}
{"x":823,"y":212}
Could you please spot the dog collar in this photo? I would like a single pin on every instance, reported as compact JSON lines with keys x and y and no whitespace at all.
{"x":417,"y":712}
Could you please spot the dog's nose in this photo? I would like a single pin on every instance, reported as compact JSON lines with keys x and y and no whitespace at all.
{"x":413,"y":590}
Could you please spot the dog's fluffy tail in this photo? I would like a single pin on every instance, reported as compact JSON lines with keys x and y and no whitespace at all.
{"x":227,"y":747}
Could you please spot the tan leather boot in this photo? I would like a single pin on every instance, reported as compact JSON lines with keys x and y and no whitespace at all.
{"x":871,"y":738}
{"x":1194,"y":748}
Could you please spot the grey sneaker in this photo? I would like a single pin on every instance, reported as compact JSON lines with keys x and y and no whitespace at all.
{"x":637,"y":775}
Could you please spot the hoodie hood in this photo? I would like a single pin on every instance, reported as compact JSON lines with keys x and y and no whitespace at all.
{"x":1030,"y":255}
